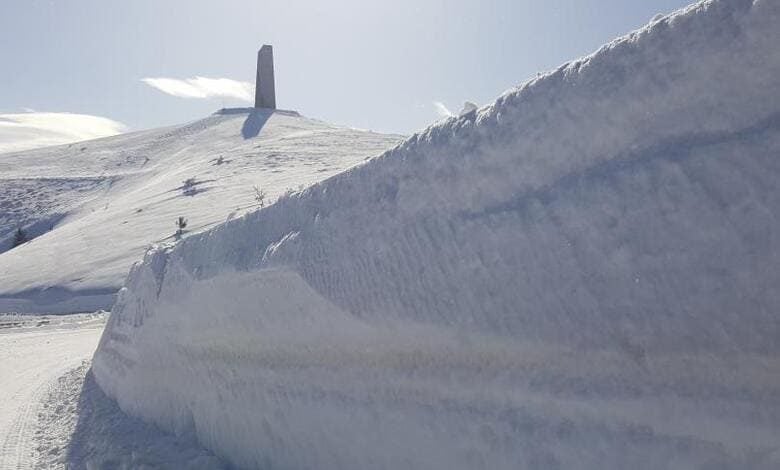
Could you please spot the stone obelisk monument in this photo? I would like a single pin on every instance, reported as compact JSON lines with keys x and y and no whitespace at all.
{"x":265,"y":95}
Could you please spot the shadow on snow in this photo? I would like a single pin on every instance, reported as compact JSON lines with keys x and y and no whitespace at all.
{"x":105,"y":437}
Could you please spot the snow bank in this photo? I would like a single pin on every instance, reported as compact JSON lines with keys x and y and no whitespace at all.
{"x":581,"y":275}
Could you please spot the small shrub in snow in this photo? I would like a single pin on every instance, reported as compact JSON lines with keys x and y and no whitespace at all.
{"x":259,"y":196}
{"x":181,"y":224}
{"x":188,"y":186}
{"x":19,"y":237}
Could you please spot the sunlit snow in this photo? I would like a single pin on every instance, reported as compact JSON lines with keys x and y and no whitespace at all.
{"x":581,"y":275}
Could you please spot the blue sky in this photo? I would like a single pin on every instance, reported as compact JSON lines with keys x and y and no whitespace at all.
{"x":370,"y":64}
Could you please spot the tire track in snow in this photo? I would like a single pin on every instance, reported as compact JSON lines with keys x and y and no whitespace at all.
{"x":16,"y":452}
{"x":32,"y":363}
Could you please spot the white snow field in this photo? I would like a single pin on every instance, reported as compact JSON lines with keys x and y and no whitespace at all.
{"x":95,"y":207}
{"x":583,"y":274}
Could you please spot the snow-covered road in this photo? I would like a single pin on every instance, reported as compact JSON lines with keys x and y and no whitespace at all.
{"x":35,"y":352}
{"x":52,"y":414}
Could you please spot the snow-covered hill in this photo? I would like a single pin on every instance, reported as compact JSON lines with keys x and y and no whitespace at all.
{"x":581,"y":275}
{"x":32,"y":129}
{"x":95,"y":207}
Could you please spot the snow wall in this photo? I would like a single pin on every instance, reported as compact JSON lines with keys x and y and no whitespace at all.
{"x":581,"y":275}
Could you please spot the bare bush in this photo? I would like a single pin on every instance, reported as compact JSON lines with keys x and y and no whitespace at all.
{"x":20,"y":236}
{"x":259,"y":196}
{"x":181,"y":224}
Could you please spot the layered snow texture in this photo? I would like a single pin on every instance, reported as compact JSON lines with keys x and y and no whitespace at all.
{"x":92,"y":209}
{"x":581,"y":275}
{"x":79,"y":427}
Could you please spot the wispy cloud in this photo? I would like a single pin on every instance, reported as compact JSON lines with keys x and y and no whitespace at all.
{"x":202,"y":87}
{"x":24,"y":131}
{"x":442,"y":110}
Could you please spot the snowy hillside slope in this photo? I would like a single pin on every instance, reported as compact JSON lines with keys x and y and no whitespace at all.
{"x":581,"y":275}
{"x":96,"y":207}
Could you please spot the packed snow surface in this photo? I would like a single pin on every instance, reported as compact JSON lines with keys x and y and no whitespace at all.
{"x":53,"y":415}
{"x":91,"y":209}
{"x":581,"y":275}
{"x":35,"y":352}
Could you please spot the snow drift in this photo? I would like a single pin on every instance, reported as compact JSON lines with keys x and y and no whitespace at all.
{"x":581,"y":275}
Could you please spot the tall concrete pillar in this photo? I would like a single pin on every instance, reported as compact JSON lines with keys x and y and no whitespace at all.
{"x":265,"y":95}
